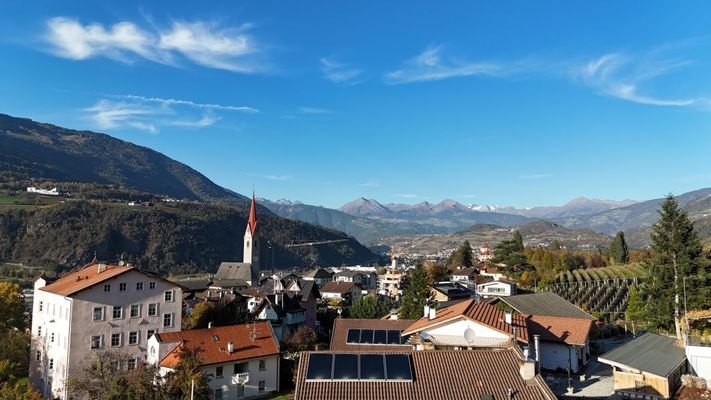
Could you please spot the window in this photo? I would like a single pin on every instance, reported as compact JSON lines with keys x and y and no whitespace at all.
{"x":51,"y":363}
{"x":139,"y":285}
{"x":241,"y":367}
{"x":262,"y":365}
{"x":153,"y":309}
{"x":135,"y":310}
{"x":218,"y":394}
{"x":117,"y":312}
{"x":98,"y":313}
{"x":39,"y":331}
{"x":218,"y":372}
{"x":262,"y":385}
{"x":41,"y":305}
{"x":150,"y":333}
{"x":51,"y":337}
{"x":107,"y":288}
{"x":97,"y":342}
{"x":122,"y":287}
{"x":131,"y":364}
{"x":115,"y":339}
{"x":151,"y":285}
{"x":133,"y":337}
{"x":168,"y":295}
{"x":167,"y":320}
{"x":38,"y":355}
{"x":240,"y":390}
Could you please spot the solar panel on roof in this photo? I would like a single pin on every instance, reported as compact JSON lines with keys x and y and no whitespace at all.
{"x":397,"y":367}
{"x":366,"y":336}
{"x":380,"y":336}
{"x":372,"y":366}
{"x":393,"y":337}
{"x":353,"y":336}
{"x":345,"y":366}
{"x":319,"y":366}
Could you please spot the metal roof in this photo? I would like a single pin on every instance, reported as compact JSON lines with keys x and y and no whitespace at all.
{"x":546,"y":303}
{"x":651,"y":353}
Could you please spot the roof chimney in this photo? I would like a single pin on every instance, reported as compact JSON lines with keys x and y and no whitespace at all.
{"x":433,"y":312}
{"x":209,"y":325}
{"x":527,"y":370}
{"x":230,"y":347}
{"x":100,"y":268}
{"x":426,"y":311}
{"x":537,"y":344}
{"x":508,"y":317}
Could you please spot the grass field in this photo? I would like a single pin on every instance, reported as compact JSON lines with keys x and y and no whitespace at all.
{"x":28,"y":201}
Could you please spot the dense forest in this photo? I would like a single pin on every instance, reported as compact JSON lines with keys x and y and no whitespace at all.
{"x":178,"y":237}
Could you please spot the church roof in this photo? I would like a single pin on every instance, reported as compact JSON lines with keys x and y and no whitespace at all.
{"x":236,"y":271}
{"x":252,"y":221}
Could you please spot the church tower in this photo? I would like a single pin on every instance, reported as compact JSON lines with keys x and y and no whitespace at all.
{"x":251,"y":238}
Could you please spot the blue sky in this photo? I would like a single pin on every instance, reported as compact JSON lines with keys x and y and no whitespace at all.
{"x":510,"y":103}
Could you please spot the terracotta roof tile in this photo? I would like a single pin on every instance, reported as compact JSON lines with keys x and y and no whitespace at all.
{"x":557,"y":329}
{"x":84,"y":278}
{"x":481,"y":312}
{"x":215,"y":352}
{"x":339,"y":335}
{"x":443,"y":375}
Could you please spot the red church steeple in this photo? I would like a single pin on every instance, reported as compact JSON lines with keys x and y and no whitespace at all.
{"x":252,"y":222}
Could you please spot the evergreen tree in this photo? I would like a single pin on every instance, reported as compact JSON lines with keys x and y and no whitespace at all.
{"x":370,"y":307}
{"x":618,"y":252}
{"x":635,"y":306}
{"x":510,"y":252}
{"x":677,"y":253}
{"x":462,"y":257}
{"x":416,"y":294}
{"x":437,"y":273}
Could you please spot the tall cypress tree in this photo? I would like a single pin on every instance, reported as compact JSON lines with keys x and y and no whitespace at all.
{"x":416,"y":294}
{"x":619,"y":253}
{"x":677,"y":253}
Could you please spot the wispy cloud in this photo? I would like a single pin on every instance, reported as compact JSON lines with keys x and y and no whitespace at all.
{"x":620,"y":75}
{"x":535,"y":176}
{"x":431,"y":65}
{"x":339,"y":72}
{"x":314,"y":110}
{"x":150,"y":113}
{"x":201,"y":42}
{"x":271,"y":177}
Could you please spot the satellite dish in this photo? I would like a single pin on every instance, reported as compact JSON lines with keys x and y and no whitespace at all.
{"x":469,"y":335}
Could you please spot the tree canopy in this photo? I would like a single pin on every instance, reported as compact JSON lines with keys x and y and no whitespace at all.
{"x":462,"y":257}
{"x":370,"y":307}
{"x":416,"y":294}
{"x":510,"y":252}
{"x":618,"y":252}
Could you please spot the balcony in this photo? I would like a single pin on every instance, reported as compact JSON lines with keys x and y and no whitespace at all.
{"x":240,"y":378}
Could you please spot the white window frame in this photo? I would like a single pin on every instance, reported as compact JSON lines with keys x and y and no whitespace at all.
{"x":262,"y":365}
{"x":169,"y":315}
{"x":113,"y":312}
{"x":132,"y":364}
{"x":138,"y":311}
{"x":139,"y":285}
{"x":120,"y":339}
{"x":156,"y":310}
{"x":123,"y":286}
{"x":93,"y":314}
{"x":136,"y":335}
{"x":151,"y":332}
{"x":169,"y":296}
{"x":101,"y":342}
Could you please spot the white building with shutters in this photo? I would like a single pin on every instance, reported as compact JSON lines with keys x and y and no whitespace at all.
{"x":97,"y":308}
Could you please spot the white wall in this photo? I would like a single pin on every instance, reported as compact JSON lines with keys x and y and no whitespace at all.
{"x":699,"y":358}
{"x":458,"y":328}
{"x":494,"y":289}
{"x":555,"y":355}
{"x":270,"y":376}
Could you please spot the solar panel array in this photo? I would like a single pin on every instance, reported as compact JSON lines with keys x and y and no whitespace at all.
{"x":375,"y":336}
{"x":359,"y":367}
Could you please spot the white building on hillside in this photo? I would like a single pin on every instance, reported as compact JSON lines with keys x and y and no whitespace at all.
{"x":99,"y":307}
{"x":241,"y":361}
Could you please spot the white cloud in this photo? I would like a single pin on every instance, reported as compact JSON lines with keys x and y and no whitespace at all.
{"x":339,"y":72}
{"x":314,"y":110}
{"x":203,"y":43}
{"x":150,"y":113}
{"x":620,"y":75}
{"x":430,"y":65}
{"x":271,"y":177}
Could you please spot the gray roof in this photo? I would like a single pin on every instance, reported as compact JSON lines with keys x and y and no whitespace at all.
{"x":194,"y":284}
{"x":651,"y":353}
{"x":236,"y":270}
{"x":547,"y":304}
{"x":318,"y":273}
{"x":349,"y":274}
{"x":229,"y":283}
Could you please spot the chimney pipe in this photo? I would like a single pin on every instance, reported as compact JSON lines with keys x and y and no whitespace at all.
{"x":508,"y":317}
{"x":433,"y":312}
{"x":537,"y":344}
{"x":209,"y":325}
{"x":230,"y":347}
{"x":427,"y":311}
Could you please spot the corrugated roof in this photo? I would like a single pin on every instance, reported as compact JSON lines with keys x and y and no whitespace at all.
{"x":481,"y":312}
{"x":651,"y":353}
{"x":443,"y":375}
{"x":573,"y":331}
{"x":339,"y":335}
{"x":84,"y":278}
{"x":215,"y":352}
{"x":545,"y":303}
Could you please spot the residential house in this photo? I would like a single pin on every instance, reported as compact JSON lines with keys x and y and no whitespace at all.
{"x":649,"y":367}
{"x":465,"y":325}
{"x":464,"y":275}
{"x":309,"y":296}
{"x":96,"y":308}
{"x":496,"y":289}
{"x":390,"y":284}
{"x":492,"y":271}
{"x":283,"y":311}
{"x":564,"y":342}
{"x":383,"y":335}
{"x":485,"y":253}
{"x":361,"y":278}
{"x":319,"y":275}
{"x":241,"y":361}
{"x":346,"y":292}
{"x":545,"y":303}
{"x":421,"y":375}
{"x":448,"y":291}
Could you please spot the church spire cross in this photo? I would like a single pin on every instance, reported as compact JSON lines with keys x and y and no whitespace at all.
{"x":252,"y":221}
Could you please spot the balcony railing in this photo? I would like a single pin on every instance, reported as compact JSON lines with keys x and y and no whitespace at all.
{"x":240,"y":378}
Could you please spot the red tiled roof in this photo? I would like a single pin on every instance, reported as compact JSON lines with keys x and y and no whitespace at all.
{"x":215,"y":352}
{"x":84,"y":278}
{"x":338,"y":287}
{"x":559,"y":329}
{"x":437,"y":374}
{"x":252,"y":222}
{"x":480,"y":312}
{"x":339,"y":335}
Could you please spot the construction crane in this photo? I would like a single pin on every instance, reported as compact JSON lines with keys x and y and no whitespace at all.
{"x":316,"y":243}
